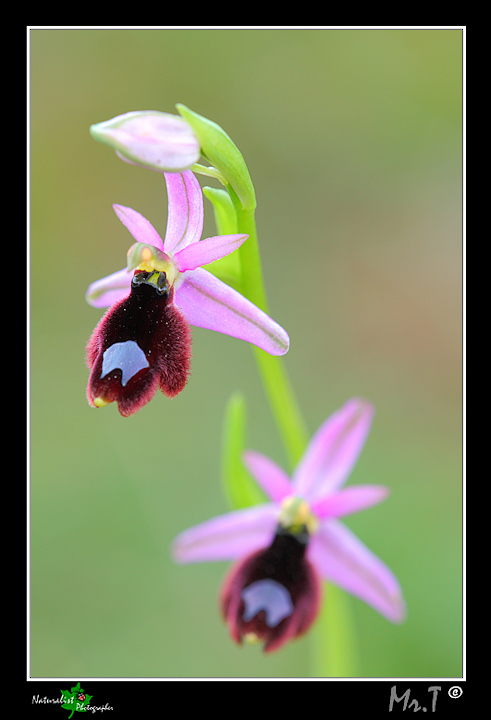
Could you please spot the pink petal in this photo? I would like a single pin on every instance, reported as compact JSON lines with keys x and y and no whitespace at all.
{"x":207,"y":251}
{"x":343,"y":559}
{"x":273,"y":480}
{"x":349,"y":500}
{"x":185,"y":212}
{"x":208,"y":302}
{"x":141,"y":229}
{"x":110,"y":289}
{"x":334,"y":450}
{"x":227,"y":537}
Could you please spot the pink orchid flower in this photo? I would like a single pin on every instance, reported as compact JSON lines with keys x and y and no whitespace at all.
{"x":143,"y":341}
{"x":284,"y":547}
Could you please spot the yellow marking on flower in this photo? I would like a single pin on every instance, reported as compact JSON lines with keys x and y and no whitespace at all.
{"x":153,"y":278}
{"x":148,"y":258}
{"x":251,"y":638}
{"x":295,"y":513}
{"x":146,"y":254}
{"x":100,"y":402}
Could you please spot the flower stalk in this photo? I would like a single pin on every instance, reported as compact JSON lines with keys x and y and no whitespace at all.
{"x":334,"y":648}
{"x":284,"y":406}
{"x":334,"y":652}
{"x":286,"y":410}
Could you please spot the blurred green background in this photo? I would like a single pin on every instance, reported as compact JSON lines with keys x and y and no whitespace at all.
{"x":354,"y":143}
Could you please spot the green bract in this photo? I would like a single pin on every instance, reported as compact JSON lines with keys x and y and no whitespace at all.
{"x":222,"y":152}
{"x":240,"y":488}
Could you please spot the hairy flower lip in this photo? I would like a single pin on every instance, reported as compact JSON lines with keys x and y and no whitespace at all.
{"x":142,"y":343}
{"x":334,"y":552}
{"x":272,"y":594}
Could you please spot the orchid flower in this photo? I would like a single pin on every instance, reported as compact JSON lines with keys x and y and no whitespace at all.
{"x":283,"y":548}
{"x":143,"y":341}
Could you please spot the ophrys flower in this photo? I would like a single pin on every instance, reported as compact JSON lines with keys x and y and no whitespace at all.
{"x":143,"y":340}
{"x":284,"y":548}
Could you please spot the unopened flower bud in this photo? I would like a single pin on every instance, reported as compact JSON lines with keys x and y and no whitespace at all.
{"x":155,"y":140}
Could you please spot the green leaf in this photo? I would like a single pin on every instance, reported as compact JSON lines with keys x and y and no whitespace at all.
{"x":240,"y":488}
{"x":225,"y":217}
{"x":221,"y":151}
{"x":228,"y":268}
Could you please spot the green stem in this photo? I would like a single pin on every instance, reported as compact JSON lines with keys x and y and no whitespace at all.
{"x":334,"y":646}
{"x":277,"y":385}
{"x":332,"y":638}
{"x":209,"y":172}
{"x":284,"y":406}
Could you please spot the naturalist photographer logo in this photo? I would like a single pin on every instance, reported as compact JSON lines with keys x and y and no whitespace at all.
{"x":76,"y":700}
{"x":73,"y":700}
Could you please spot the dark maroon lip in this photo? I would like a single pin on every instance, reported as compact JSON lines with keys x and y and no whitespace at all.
{"x":274,"y":593}
{"x":143,"y":342}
